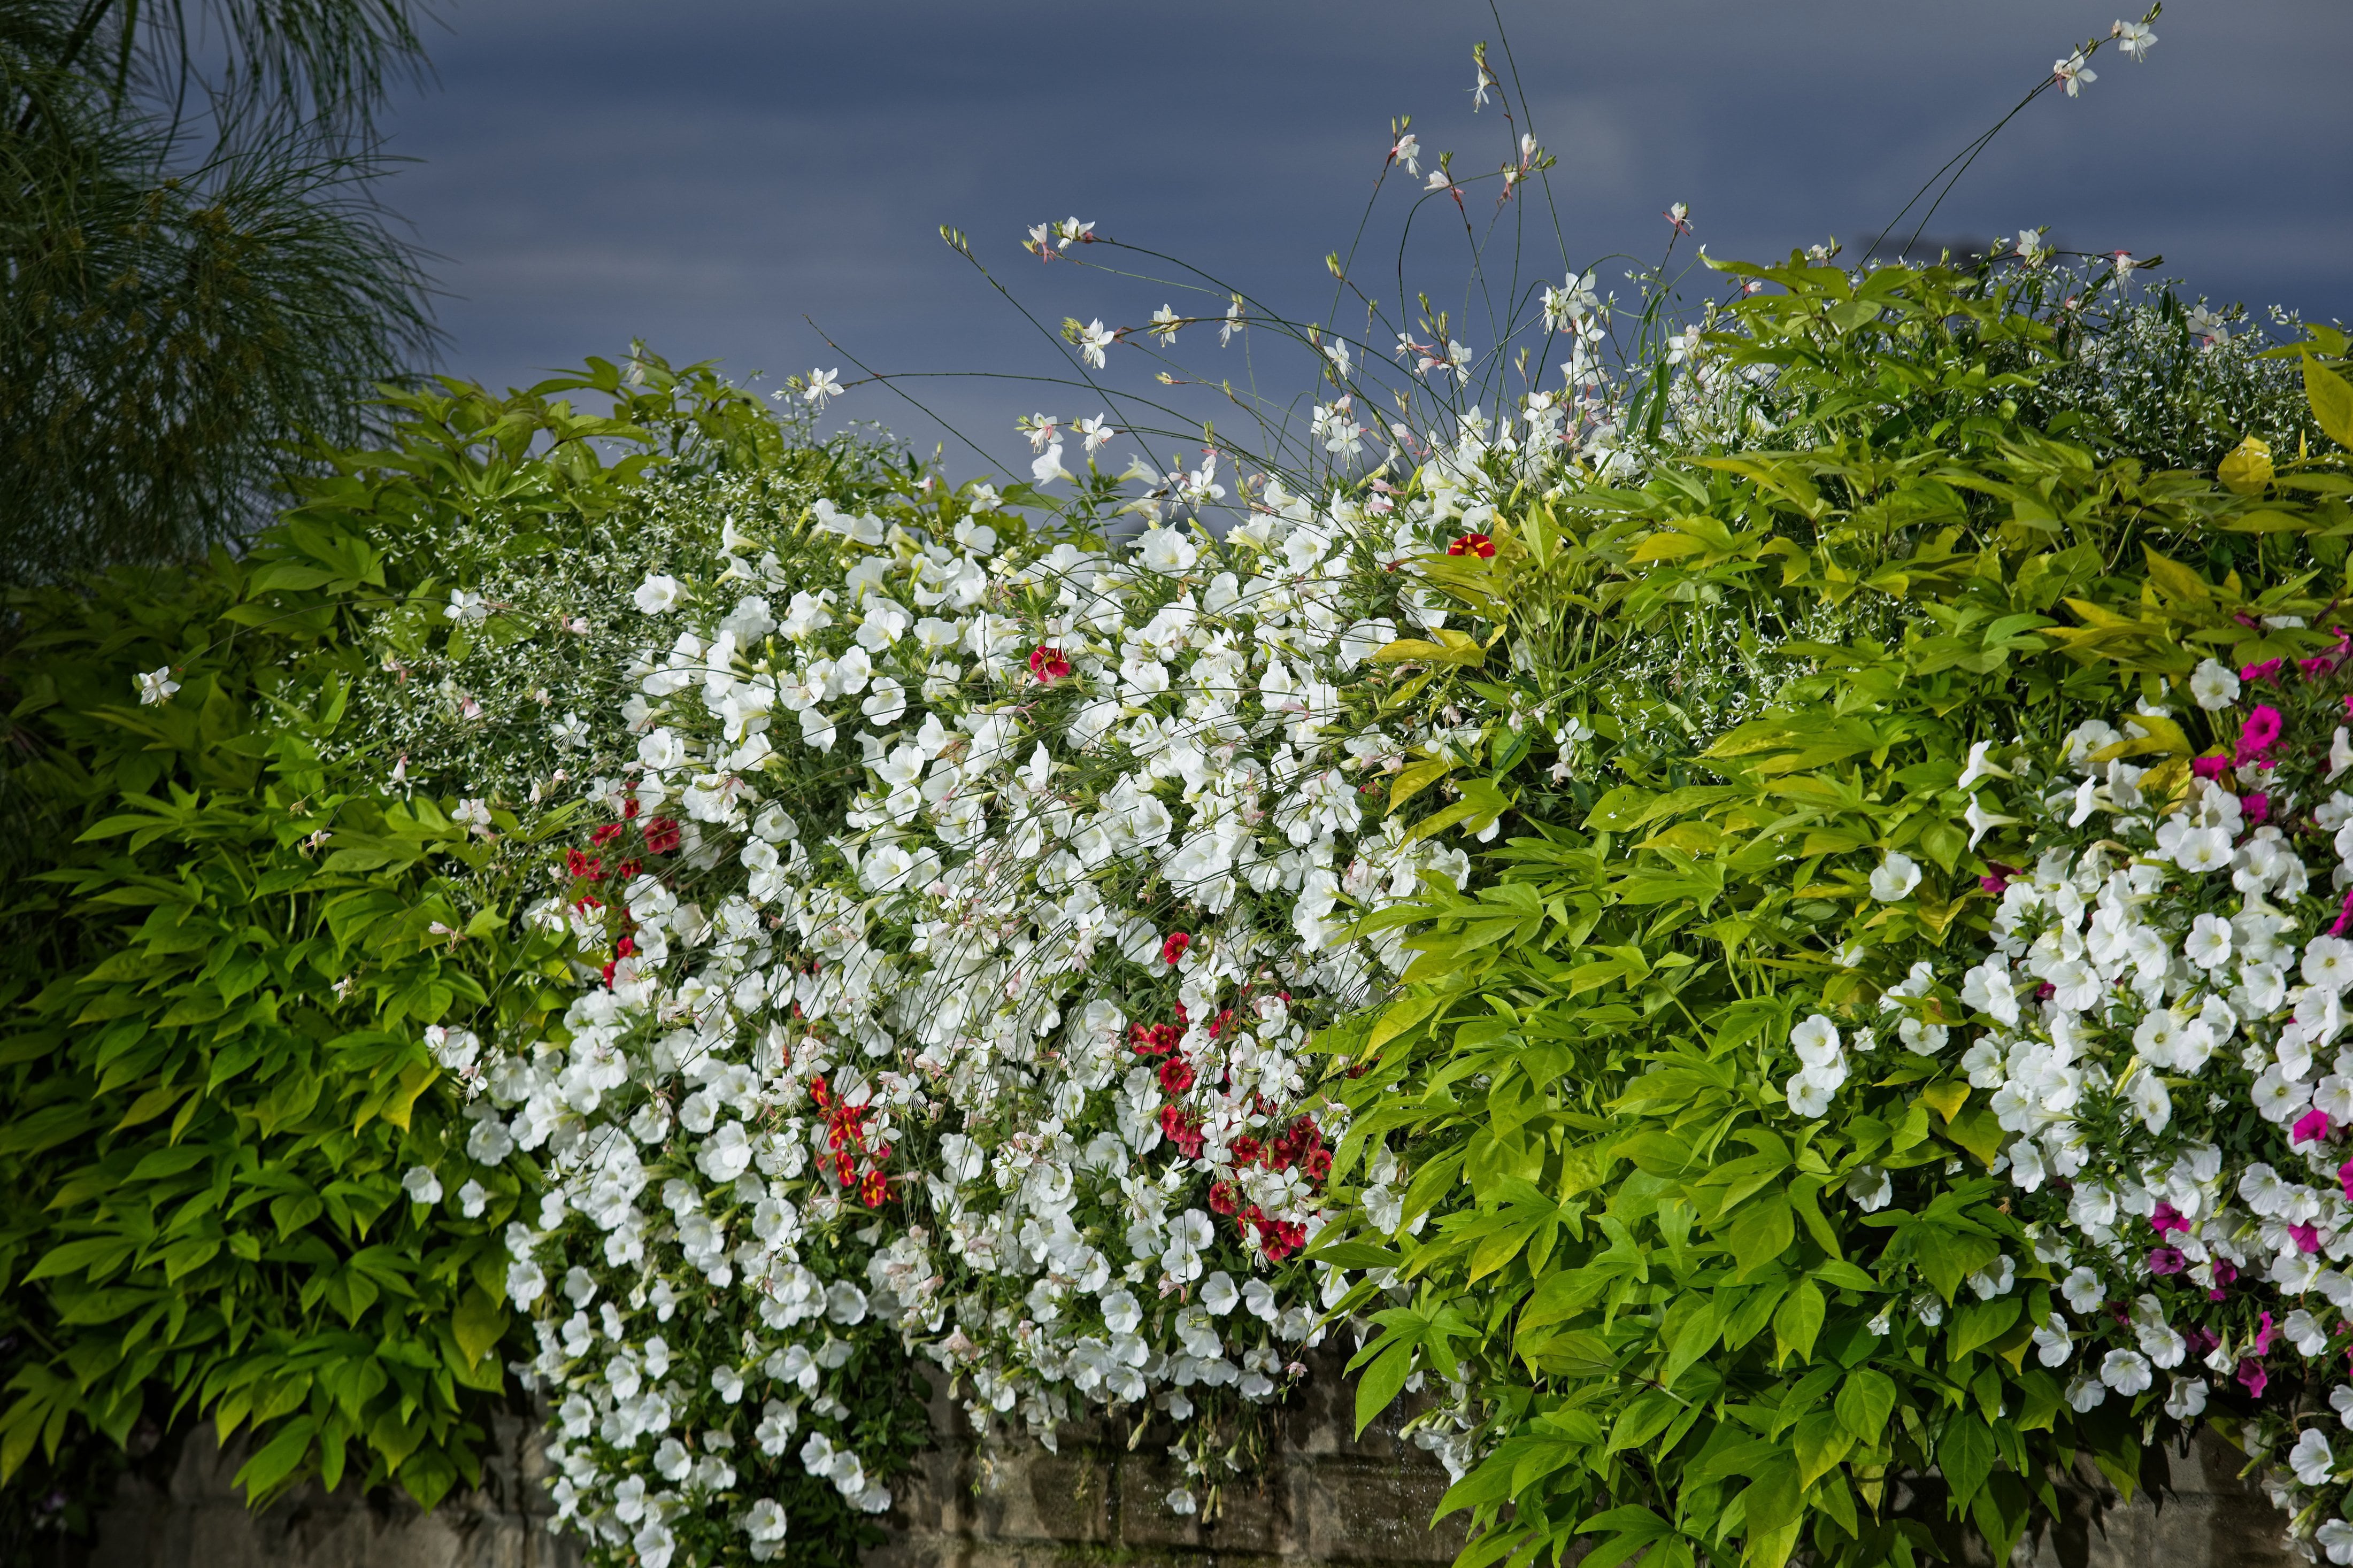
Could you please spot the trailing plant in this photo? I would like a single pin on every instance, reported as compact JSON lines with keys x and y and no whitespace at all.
{"x":257,"y":959}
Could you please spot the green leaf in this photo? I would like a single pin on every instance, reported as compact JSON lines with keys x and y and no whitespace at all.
{"x":1865,"y":1399}
{"x":1798,"y":1321}
{"x":1379,"y":1384}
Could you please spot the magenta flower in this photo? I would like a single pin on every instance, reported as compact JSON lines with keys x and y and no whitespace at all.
{"x":2253,"y":1378}
{"x":2260,"y":732}
{"x":2263,"y":1336}
{"x":2308,"y":1239}
{"x":2312,"y":1125}
{"x":2211,"y":767}
{"x":2166,"y":1217}
{"x":2338,"y":927}
{"x":2257,"y":806}
{"x":2267,"y":670}
{"x":2166,"y":1260}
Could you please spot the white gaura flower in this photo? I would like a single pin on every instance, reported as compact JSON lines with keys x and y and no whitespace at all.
{"x":1166,"y":551}
{"x":155,"y":686}
{"x":658,"y":595}
{"x":1894,"y":879}
{"x":1092,"y":339}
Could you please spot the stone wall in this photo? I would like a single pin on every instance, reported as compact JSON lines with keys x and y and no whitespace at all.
{"x":1326,"y":1498}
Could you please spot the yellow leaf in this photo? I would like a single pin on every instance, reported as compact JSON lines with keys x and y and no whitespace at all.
{"x":2332,"y":401}
{"x":1947,"y":1097}
{"x":2248,"y":470}
{"x":1413,"y":778}
{"x":2178,"y":581}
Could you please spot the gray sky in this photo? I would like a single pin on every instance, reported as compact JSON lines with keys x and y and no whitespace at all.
{"x":704,"y":174}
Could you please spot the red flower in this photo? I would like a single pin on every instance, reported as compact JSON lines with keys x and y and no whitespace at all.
{"x":1222,"y":1199}
{"x":845,"y":1169}
{"x":1318,"y":1164}
{"x":1279,"y":1238}
{"x":1181,"y":1129}
{"x":875,"y":1189}
{"x":1477,"y":545}
{"x":582,"y":864}
{"x":629,"y":867}
{"x":1246,"y":1150}
{"x":1048,"y":664}
{"x":606,"y":835}
{"x":661,"y":835}
{"x":628,"y":807}
{"x":1175,"y":1075}
{"x":626,"y":946}
{"x":1174,"y":947}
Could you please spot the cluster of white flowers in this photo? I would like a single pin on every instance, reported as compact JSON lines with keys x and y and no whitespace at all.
{"x":2166,"y":983}
{"x":950,"y":953}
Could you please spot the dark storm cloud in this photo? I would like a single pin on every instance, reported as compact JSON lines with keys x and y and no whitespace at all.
{"x":705,"y":174}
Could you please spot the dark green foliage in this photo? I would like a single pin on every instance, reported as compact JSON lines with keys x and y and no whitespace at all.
{"x":193,"y":272}
{"x":227,"y":928}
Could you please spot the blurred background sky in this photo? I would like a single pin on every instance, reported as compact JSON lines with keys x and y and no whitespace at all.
{"x":706,"y":173}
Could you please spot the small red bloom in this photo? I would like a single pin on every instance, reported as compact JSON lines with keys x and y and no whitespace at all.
{"x":606,"y":835}
{"x":1048,"y":664}
{"x":1222,"y":1199}
{"x":1246,"y":1150}
{"x":1477,"y":545}
{"x":629,"y":867}
{"x":629,"y":807}
{"x":582,"y":864}
{"x":1174,"y":947}
{"x":608,"y":972}
{"x":626,"y":946}
{"x":874,"y":1189}
{"x":1175,"y":1075}
{"x":661,"y":835}
{"x":1318,"y":1164}
{"x":1181,"y":1129}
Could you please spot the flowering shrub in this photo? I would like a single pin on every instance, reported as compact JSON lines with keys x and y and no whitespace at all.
{"x":954,"y":939}
{"x":1721,"y":1215}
